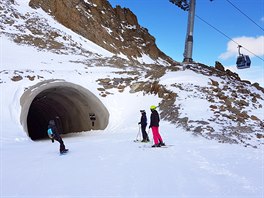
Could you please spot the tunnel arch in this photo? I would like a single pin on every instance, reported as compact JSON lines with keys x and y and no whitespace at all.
{"x":77,"y":108}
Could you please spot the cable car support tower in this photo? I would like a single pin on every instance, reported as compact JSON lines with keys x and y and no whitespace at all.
{"x":190,"y":7}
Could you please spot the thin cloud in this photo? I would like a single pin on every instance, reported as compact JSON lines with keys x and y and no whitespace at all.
{"x":253,"y":44}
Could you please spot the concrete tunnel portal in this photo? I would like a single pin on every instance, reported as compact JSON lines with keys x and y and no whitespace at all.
{"x":77,"y":108}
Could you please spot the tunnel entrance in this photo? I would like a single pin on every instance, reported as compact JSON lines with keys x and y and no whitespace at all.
{"x":73,"y":107}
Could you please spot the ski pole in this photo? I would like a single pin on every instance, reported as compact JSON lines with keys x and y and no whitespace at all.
{"x":152,"y":136}
{"x":138,"y":134}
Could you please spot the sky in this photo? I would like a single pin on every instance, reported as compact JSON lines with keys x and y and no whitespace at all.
{"x":168,"y":24}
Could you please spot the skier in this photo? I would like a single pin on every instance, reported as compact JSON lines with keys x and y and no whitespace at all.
{"x":53,"y":133}
{"x":143,"y":123}
{"x":154,"y":125}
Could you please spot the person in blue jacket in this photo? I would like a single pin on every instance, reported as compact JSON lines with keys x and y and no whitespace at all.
{"x":53,"y":133}
{"x":143,"y":123}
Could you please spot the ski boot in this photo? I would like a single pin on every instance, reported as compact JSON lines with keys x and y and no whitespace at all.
{"x":155,"y":145}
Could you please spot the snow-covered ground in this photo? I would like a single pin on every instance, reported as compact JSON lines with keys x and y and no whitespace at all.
{"x":109,"y":163}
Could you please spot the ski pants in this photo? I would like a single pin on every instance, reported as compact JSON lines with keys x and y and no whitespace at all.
{"x":156,"y":135}
{"x":62,"y":146}
{"x":144,"y":133}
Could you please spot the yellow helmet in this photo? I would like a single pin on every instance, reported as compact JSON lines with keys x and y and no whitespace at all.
{"x":153,"y":107}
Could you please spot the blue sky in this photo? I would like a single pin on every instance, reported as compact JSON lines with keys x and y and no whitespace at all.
{"x":168,"y":24}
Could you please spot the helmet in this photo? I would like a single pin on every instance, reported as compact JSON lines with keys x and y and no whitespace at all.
{"x":52,"y":122}
{"x":153,"y":107}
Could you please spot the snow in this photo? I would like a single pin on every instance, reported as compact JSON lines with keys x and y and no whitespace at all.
{"x":109,"y":163}
{"x":145,"y":59}
{"x":184,"y":76}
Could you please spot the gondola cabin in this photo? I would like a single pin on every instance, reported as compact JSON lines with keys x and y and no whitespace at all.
{"x":243,"y":61}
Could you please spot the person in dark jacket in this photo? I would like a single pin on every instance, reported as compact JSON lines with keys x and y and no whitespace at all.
{"x":54,"y":134}
{"x":143,"y":123}
{"x":154,"y":125}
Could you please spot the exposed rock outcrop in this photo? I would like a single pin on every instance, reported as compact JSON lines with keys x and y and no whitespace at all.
{"x":115,"y":29}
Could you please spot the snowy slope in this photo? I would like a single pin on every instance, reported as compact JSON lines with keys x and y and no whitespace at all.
{"x":109,"y":163}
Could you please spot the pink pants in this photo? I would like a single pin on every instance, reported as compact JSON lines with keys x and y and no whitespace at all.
{"x":156,"y":136}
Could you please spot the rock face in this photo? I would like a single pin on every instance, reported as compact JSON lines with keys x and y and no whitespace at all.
{"x":115,"y":29}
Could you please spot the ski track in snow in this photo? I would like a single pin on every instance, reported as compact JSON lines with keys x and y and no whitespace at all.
{"x":110,"y":164}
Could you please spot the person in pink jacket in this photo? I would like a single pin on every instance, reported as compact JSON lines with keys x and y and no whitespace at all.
{"x":154,"y":125}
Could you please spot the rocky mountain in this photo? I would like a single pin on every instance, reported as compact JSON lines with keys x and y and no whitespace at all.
{"x":115,"y":29}
{"x":233,"y":102}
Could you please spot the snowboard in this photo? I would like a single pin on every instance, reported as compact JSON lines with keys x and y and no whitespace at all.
{"x":64,"y":152}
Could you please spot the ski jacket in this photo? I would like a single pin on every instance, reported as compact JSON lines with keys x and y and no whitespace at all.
{"x":154,"y":119}
{"x":54,"y":129}
{"x":143,"y":120}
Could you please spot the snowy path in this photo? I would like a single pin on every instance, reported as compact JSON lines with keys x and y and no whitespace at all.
{"x":107,"y":164}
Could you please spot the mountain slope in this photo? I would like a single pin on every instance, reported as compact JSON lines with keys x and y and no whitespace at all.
{"x":234,"y":108}
{"x":115,"y":29}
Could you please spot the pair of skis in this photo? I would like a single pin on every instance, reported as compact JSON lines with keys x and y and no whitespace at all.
{"x":147,"y":145}
{"x":137,"y":140}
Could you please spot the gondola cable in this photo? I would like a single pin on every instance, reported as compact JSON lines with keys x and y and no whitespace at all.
{"x":245,"y":14}
{"x":228,"y":37}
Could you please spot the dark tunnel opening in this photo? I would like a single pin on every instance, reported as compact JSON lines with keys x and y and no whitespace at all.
{"x":71,"y":103}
